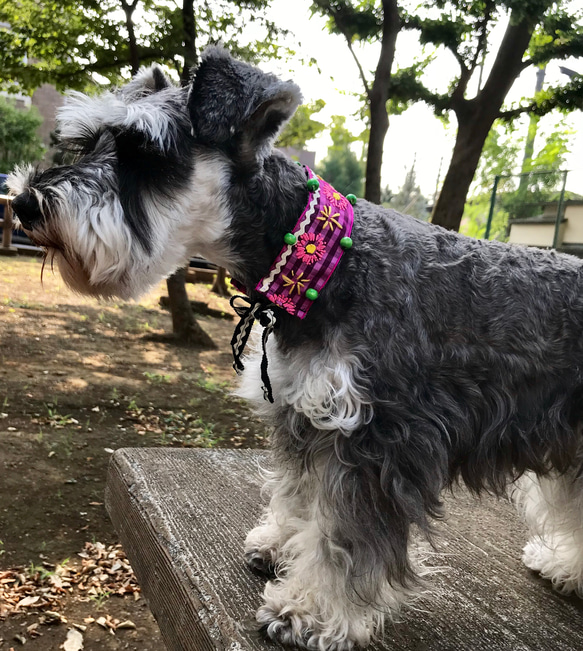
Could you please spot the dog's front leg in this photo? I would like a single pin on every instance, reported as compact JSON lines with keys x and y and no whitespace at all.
{"x":313,"y":603}
{"x":281,"y":520}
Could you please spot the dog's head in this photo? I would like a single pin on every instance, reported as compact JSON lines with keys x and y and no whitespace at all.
{"x":152,"y":165}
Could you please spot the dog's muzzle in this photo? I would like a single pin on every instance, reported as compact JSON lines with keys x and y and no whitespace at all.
{"x":27,"y":208}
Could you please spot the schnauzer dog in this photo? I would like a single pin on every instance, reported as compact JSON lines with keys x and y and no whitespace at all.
{"x":403,"y":357}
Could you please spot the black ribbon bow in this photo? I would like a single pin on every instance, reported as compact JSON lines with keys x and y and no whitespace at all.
{"x":249,"y":314}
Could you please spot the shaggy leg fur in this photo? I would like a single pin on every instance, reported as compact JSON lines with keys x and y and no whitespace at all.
{"x":312,"y":603}
{"x":553,"y":508}
{"x":283,"y":518}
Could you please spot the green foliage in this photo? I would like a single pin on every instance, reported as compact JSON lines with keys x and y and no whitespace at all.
{"x":499,"y":157}
{"x":19,"y":142}
{"x":302,"y":127}
{"x":76,"y":44}
{"x":341,"y":167}
{"x":502,"y":153}
{"x":518,"y":196}
{"x":475,"y":219}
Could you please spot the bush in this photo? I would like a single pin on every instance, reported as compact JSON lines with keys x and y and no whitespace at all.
{"x":19,"y":142}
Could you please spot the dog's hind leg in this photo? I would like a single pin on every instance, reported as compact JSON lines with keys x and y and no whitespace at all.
{"x":553,"y":508}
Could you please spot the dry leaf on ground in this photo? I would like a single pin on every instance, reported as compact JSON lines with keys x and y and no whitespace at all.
{"x":74,"y":641}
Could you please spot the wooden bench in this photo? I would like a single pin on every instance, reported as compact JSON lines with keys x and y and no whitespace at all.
{"x":6,"y":223}
{"x":182,"y":516}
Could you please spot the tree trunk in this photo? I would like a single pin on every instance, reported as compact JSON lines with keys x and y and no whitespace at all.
{"x":475,"y":118}
{"x":134,"y":53}
{"x":379,"y":125}
{"x":190,"y":54}
{"x":185,"y":327}
{"x":378,"y":97}
{"x":220,"y":283}
{"x":470,"y":139}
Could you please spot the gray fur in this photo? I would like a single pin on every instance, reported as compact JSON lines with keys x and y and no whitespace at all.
{"x":461,"y":360}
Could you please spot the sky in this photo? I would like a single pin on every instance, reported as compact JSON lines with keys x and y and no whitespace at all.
{"x":414,"y":137}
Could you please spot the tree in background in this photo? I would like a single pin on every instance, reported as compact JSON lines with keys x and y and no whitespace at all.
{"x":409,"y":199}
{"x":359,"y":22}
{"x":81,"y":44}
{"x":19,"y":142}
{"x":540,"y":29}
{"x":341,"y":167}
{"x":302,"y":127}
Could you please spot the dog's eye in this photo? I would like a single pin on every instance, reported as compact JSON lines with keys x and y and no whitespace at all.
{"x":81,"y":144}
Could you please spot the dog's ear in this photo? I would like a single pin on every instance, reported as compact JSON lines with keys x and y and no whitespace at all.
{"x":147,"y":81}
{"x":237,"y":107}
{"x":140,"y":106}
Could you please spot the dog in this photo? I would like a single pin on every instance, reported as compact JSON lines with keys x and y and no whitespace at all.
{"x":422,"y":357}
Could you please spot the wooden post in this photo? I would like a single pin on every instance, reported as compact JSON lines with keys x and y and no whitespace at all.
{"x":7,"y":248}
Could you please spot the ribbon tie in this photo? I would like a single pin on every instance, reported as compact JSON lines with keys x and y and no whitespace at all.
{"x":249,"y":314}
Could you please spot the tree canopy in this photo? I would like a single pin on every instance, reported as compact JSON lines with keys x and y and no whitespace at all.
{"x":79,"y":44}
{"x":536,"y":32}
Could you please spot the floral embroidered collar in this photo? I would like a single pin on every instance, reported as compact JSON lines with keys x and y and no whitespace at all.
{"x":304,"y":265}
{"x":312,"y":249}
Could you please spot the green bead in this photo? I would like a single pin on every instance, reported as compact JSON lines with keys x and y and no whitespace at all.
{"x":313,"y":185}
{"x":346,"y":242}
{"x":290,"y":238}
{"x":312,"y":294}
{"x":351,"y":198}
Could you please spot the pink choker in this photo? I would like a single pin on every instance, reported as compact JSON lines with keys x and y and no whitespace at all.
{"x":312,"y":249}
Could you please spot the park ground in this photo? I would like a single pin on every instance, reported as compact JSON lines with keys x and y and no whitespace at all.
{"x":80,"y":378}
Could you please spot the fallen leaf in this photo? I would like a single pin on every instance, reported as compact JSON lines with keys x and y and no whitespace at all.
{"x":127,"y":624}
{"x":74,"y":640}
{"x":27,"y":601}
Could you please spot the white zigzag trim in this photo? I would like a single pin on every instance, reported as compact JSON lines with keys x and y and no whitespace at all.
{"x":300,"y":231}
{"x":248,"y":319}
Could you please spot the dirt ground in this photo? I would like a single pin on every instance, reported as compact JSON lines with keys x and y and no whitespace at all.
{"x":78,"y":379}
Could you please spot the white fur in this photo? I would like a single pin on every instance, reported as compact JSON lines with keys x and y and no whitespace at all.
{"x":553,"y":509}
{"x":309,"y":602}
{"x":151,"y":114}
{"x":320,"y":384}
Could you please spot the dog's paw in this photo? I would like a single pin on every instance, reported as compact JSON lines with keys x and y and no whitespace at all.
{"x":302,"y":631}
{"x":261,"y":561}
{"x":535,"y":554}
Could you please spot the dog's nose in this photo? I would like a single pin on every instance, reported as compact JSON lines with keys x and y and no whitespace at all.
{"x":27,"y":209}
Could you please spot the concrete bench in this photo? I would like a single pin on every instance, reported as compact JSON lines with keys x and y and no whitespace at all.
{"x":182,"y":516}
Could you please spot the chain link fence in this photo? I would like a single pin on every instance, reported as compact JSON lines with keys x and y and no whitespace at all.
{"x":522,"y":208}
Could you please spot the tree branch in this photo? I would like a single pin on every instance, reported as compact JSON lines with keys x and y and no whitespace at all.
{"x":567,"y":98}
{"x":482,"y":38}
{"x":326,"y":8}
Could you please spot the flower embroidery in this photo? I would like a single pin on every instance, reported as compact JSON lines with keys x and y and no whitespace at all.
{"x":334,"y":197}
{"x":329,"y":218}
{"x":310,"y":248}
{"x":283,"y":301}
{"x":295,"y":282}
